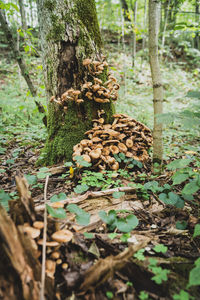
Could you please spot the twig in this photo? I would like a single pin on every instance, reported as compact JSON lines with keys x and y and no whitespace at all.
{"x":42,"y":292}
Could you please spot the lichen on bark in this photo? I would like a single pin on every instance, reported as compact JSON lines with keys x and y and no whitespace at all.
{"x":69,"y":33}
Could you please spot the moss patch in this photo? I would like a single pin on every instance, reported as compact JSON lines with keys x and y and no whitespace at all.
{"x":87,"y":14}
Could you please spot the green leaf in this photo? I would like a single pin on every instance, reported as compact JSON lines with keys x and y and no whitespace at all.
{"x":88,"y":235}
{"x":42,"y":173}
{"x":172,"y":199}
{"x":196,"y":230}
{"x":190,"y":188}
{"x":59,"y":197}
{"x":161,"y":275}
{"x":178,"y":178}
{"x":80,"y":160}
{"x":181,"y":225}
{"x":112,"y":235}
{"x":31,"y":179}
{"x":193,"y":94}
{"x":139,"y":254}
{"x":2,"y":150}
{"x":194,"y":278}
{"x":181,"y":296}
{"x":109,"y":218}
{"x":4,"y":198}
{"x":118,"y":194}
{"x":58,"y":213}
{"x":81,"y":188}
{"x":127,"y":224}
{"x":2,"y":171}
{"x":82,"y":217}
{"x":160,"y":248}
{"x":68,"y":164}
{"x":143,"y":295}
{"x":179,"y":163}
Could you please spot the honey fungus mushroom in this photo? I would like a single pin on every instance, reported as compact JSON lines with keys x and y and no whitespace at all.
{"x":104,"y":141}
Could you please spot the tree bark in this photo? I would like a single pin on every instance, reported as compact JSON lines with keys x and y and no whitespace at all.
{"x":23,"y":15}
{"x":125,"y":10}
{"x":69,"y":34}
{"x":133,"y":34}
{"x":156,"y":78}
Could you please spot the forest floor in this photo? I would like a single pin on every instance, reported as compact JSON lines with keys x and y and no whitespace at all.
{"x":156,"y":216}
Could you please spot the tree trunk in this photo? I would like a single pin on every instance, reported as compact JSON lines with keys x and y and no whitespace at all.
{"x":125,"y":10}
{"x":144,"y":25}
{"x":23,"y":15}
{"x":196,"y":39}
{"x":69,"y":34}
{"x":156,"y":78}
{"x":134,"y":35}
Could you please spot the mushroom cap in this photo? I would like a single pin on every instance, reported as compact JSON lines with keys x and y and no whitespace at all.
{"x":110,"y":160}
{"x":106,"y":151}
{"x":84,"y":142}
{"x":95,"y":87}
{"x":94,"y":154}
{"x":129,"y":143}
{"x":87,"y":61}
{"x":86,"y":158}
{"x":129,"y":154}
{"x":115,"y":166}
{"x":31,"y":231}
{"x":38,"y":224}
{"x":97,"y":80}
{"x":96,"y":139}
{"x":122,"y":147}
{"x":79,"y":101}
{"x":62,"y":236}
{"x":48,"y":244}
{"x":76,"y":92}
{"x":55,"y":255}
{"x":96,"y":62}
{"x":114,"y":149}
{"x":112,"y":132}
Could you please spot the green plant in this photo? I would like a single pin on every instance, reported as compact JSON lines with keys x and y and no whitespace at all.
{"x":82,"y":217}
{"x":122,"y":224}
{"x":109,"y":295}
{"x":59,"y":197}
{"x":160,"y":273}
{"x":4,"y":198}
{"x":58,"y":213}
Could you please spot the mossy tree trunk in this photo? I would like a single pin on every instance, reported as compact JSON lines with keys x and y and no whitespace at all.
{"x":69,"y":34}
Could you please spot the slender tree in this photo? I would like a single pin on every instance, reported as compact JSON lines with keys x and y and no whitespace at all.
{"x":69,"y":34}
{"x":23,"y":15}
{"x":134,"y":34}
{"x":156,"y":78}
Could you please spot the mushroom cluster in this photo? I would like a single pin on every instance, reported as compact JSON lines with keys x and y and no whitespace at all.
{"x":93,"y":87}
{"x":53,"y":244}
{"x":105,"y":141}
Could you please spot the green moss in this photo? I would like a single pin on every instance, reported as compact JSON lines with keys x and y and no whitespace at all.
{"x":57,"y":30}
{"x":87,"y":14}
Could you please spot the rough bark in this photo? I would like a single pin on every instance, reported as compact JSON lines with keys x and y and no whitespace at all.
{"x":69,"y":34}
{"x":156,"y":78}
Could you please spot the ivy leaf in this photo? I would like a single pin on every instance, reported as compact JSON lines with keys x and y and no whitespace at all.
{"x":59,"y":197}
{"x":88,"y":235}
{"x":190,"y":188}
{"x":182,"y":225}
{"x":194,"y":278}
{"x":82,"y":217}
{"x":109,"y":218}
{"x":42,"y":173}
{"x":161,"y":275}
{"x":4,"y":198}
{"x":81,"y":188}
{"x":179,"y":163}
{"x":80,"y":160}
{"x":31,"y":179}
{"x":118,"y":194}
{"x":178,"y":178}
{"x":181,"y":296}
{"x":127,"y":224}
{"x":68,"y":164}
{"x":58,"y":213}
{"x":139,"y":254}
{"x":160,"y":248}
{"x":196,"y":230}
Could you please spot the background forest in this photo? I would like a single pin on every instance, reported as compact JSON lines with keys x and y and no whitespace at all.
{"x":166,"y":210}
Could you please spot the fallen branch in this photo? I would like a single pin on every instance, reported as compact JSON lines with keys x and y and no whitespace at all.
{"x":105,"y":268}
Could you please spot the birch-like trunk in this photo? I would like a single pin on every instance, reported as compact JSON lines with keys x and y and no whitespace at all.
{"x":134,"y":34}
{"x":154,"y":18}
{"x":69,"y":34}
{"x":23,"y":15}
